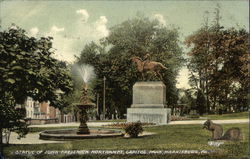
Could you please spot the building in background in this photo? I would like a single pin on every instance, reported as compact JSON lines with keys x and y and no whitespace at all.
{"x":32,"y":107}
{"x":43,"y":113}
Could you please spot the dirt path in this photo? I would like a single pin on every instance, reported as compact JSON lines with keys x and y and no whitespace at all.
{"x":230,"y":121}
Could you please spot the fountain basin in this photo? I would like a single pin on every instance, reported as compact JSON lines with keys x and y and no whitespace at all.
{"x":71,"y":134}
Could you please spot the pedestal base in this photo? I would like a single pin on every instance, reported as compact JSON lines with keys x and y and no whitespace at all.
{"x":149,"y":115}
{"x":83,"y":130}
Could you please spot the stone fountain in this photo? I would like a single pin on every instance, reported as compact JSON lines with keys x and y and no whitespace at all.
{"x":83,"y":132}
{"x":83,"y":106}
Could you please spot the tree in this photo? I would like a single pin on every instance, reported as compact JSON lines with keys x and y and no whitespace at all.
{"x":200,"y":102}
{"x":27,"y":68}
{"x":198,"y":62}
{"x":218,"y":64}
{"x":111,"y":59}
{"x":187,"y":100}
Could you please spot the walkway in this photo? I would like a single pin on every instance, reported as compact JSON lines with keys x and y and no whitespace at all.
{"x":31,"y":138}
{"x":96,"y":124}
{"x":230,"y":121}
{"x":90,"y":124}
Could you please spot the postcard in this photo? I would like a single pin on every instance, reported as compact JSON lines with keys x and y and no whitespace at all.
{"x":124,"y":79}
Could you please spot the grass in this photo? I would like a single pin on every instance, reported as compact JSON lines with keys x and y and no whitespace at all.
{"x":241,"y":115}
{"x":169,"y":137}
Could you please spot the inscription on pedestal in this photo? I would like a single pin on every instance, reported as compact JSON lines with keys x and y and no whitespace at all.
{"x":149,"y":115}
{"x":148,"y":118}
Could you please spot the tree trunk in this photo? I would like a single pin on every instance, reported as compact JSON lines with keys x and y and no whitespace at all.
{"x":207,"y":96}
{"x":214,"y":104}
{"x":1,"y":141}
{"x":200,"y":81}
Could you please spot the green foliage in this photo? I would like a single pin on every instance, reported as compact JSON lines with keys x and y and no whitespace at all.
{"x":134,"y":129}
{"x":112,"y":59}
{"x":193,"y":116}
{"x":200,"y":103}
{"x":27,"y":68}
{"x":187,"y":99}
{"x":218,"y":64}
{"x":12,"y":118}
{"x":124,"y":125}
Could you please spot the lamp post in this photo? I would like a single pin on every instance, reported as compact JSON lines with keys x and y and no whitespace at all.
{"x":104,"y":109}
{"x":97,"y":104}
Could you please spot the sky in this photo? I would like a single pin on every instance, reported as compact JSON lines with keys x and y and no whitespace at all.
{"x":76,"y":23}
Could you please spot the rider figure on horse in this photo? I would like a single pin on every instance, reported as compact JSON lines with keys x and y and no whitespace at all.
{"x":146,"y":59}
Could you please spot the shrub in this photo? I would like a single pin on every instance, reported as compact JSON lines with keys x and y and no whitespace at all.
{"x":194,"y":116}
{"x":133,"y":129}
{"x":123,"y":125}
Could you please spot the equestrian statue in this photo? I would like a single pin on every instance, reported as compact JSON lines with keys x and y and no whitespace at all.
{"x":146,"y":65}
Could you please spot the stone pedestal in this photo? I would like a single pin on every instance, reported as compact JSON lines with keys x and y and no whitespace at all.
{"x":148,"y":106}
{"x":83,"y":128}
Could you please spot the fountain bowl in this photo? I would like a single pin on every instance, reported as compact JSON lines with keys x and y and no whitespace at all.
{"x":71,"y":134}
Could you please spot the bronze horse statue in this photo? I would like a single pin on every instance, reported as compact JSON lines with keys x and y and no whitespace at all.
{"x":148,"y":66}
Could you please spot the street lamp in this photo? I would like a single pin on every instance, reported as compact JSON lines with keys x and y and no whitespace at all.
{"x":97,"y":104}
{"x":104,"y":109}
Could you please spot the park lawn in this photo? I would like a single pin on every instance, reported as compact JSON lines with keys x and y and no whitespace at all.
{"x":241,"y":115}
{"x":168,"y":137}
